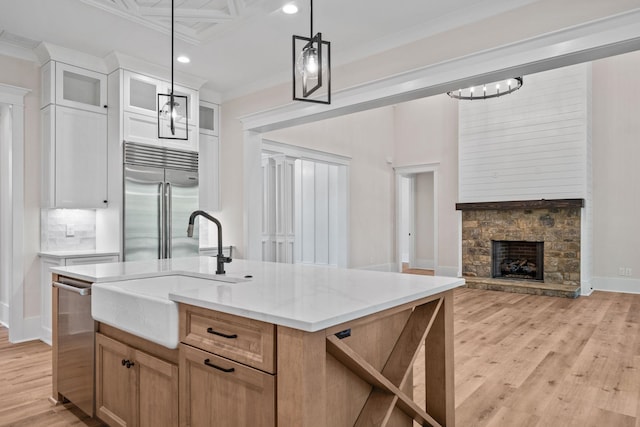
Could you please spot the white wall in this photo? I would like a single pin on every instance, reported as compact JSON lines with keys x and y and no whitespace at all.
{"x":368,"y":139}
{"x":26,"y":74}
{"x":426,"y":131}
{"x":616,"y":175}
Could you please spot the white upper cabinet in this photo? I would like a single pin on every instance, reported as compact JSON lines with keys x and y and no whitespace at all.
{"x":79,"y":88}
{"x":64,"y":84}
{"x":209,"y":117}
{"x":48,"y":84}
{"x":74,"y":137}
{"x":141,"y":122}
{"x":74,"y":158}
{"x":209,"y":172}
{"x":81,"y":150}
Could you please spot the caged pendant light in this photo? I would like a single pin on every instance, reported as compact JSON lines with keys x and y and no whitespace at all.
{"x":311,"y":67}
{"x":173,"y":110}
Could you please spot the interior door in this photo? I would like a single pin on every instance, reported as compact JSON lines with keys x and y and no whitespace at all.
{"x":182,"y":192}
{"x":143,"y":202}
{"x":407,"y":228}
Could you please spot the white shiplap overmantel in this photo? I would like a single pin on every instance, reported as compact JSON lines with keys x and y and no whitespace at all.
{"x":529,"y":145}
{"x":586,"y":42}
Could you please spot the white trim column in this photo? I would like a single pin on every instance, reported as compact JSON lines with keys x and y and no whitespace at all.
{"x":12,"y":206}
{"x":252,"y":188}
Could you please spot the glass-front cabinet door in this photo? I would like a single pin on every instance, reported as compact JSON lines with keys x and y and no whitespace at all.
{"x":209,"y":118}
{"x":141,"y":93}
{"x":80,"y":88}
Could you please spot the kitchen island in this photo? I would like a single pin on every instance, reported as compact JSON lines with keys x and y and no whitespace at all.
{"x":275,"y":344}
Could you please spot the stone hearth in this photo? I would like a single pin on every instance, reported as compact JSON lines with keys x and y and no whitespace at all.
{"x":554,"y":222}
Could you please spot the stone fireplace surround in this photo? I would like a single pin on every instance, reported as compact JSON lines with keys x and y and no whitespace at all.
{"x":555,"y":222}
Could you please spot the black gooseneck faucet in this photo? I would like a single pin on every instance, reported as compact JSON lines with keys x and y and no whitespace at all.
{"x":220,"y":257}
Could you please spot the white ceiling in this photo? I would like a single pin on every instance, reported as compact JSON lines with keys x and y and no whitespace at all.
{"x":238,"y":46}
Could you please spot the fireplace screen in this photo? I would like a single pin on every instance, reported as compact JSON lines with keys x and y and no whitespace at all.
{"x":517,"y":260}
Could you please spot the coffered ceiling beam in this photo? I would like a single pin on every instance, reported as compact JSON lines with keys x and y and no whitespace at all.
{"x":186,"y":15}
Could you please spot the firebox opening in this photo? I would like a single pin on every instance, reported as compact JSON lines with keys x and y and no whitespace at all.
{"x":518,"y":260}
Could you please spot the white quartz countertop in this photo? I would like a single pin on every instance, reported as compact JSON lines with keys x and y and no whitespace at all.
{"x":77,"y":254}
{"x":304,"y":297}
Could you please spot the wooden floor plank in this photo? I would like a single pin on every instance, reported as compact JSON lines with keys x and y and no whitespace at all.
{"x":520,"y":360}
{"x":25,"y":387}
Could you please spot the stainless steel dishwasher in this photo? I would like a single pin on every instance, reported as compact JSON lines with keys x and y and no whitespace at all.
{"x":75,"y":343}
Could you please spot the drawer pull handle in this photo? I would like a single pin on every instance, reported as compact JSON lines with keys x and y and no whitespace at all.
{"x":211,"y":331}
{"x":208,"y":363}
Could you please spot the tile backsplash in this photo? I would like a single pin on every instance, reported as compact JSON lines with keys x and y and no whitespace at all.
{"x":67,"y":229}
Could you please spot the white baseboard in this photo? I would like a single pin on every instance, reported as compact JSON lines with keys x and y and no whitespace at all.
{"x":4,"y":314}
{"x":31,"y":330}
{"x":45,"y":335}
{"x":380,"y":267}
{"x":427,"y":264}
{"x":586,"y":288}
{"x":448,"y":271}
{"x":616,"y":284}
{"x":392,"y":266}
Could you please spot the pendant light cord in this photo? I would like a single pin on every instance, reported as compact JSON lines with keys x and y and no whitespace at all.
{"x":172,"y":50}
{"x":311,"y":19}
{"x":172,"y":105}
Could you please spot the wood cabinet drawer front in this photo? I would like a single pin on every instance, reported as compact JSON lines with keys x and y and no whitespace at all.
{"x":215,"y":391}
{"x":244,"y":340}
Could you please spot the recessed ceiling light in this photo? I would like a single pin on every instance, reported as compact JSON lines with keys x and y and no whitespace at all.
{"x":183,"y":59}
{"x":290,"y":8}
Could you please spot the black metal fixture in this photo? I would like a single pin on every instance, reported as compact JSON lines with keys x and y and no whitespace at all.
{"x":488,"y":90}
{"x":173,"y":108}
{"x":220,"y":257}
{"x":311,"y":67}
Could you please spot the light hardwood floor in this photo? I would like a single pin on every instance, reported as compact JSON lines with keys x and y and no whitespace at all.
{"x":419,"y":271}
{"x":520,"y":361}
{"x":25,"y":387}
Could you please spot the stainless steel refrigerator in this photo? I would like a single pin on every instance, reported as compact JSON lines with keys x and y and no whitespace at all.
{"x":160,"y":192}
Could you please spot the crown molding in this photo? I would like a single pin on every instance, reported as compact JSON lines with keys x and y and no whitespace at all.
{"x":115,"y":60}
{"x":46,"y":52}
{"x":13,"y":51}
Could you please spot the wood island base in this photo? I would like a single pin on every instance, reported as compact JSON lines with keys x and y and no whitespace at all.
{"x":239,"y":372}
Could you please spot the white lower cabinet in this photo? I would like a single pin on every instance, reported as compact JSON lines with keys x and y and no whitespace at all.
{"x":48,"y":261}
{"x":74,"y":150}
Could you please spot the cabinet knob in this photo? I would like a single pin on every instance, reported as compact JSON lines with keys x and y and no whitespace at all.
{"x":104,"y":201}
{"x":105,"y":106}
{"x":127,"y":363}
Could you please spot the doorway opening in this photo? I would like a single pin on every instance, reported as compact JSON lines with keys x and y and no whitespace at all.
{"x":416,"y":216}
